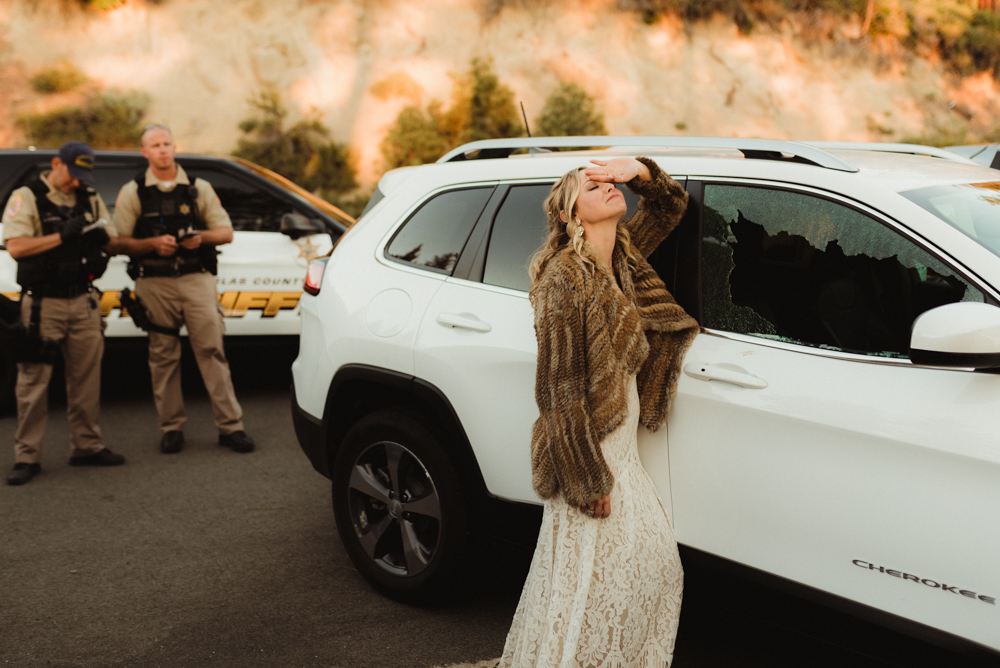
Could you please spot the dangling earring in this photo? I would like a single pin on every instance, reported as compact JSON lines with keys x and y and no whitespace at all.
{"x":579,"y":231}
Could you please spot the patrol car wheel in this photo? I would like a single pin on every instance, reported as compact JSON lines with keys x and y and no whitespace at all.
{"x":400,"y":509}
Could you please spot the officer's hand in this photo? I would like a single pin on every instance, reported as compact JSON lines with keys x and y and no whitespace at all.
{"x":191,"y":241}
{"x":165,"y":245}
{"x":71,"y":229}
{"x":97,"y":237}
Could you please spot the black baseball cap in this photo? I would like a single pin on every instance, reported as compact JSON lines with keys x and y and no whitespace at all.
{"x":79,"y":158}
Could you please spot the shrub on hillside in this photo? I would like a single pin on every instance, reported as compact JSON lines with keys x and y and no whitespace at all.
{"x":303,"y":153}
{"x":981,"y":40}
{"x":57,"y":79}
{"x":417,"y":137}
{"x":485,"y":105}
{"x":569,"y":111}
{"x":105,"y":120}
{"x":482,"y":107}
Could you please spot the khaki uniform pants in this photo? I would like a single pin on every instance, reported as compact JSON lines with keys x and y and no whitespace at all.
{"x":189,"y":300}
{"x":76,"y":324}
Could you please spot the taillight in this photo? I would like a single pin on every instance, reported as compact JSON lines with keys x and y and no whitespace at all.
{"x":314,"y":275}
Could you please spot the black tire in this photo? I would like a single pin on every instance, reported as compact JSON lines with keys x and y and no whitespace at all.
{"x":400,"y":509}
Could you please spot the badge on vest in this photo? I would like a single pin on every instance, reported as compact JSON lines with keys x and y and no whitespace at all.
{"x":185,"y":209}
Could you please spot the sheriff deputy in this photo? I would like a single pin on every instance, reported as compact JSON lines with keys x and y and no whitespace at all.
{"x":170,"y":227}
{"x":54,"y":228}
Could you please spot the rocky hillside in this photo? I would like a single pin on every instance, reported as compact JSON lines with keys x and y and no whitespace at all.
{"x":354,"y":64}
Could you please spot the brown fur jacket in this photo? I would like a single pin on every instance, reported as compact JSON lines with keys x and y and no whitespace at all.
{"x":592,"y":337}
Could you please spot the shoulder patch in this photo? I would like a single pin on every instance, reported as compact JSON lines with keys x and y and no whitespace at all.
{"x":13,"y":205}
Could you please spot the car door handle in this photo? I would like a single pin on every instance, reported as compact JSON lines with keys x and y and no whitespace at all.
{"x":714,"y":372}
{"x":463,"y":321}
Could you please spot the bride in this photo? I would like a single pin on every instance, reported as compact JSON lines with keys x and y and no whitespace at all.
{"x":605,"y":584}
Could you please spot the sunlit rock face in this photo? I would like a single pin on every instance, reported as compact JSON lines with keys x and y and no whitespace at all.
{"x":354,"y":64}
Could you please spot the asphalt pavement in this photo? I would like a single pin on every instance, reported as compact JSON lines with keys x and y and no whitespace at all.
{"x":213,"y":558}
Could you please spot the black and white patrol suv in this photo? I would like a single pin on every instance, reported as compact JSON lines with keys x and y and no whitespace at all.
{"x":835,"y":428}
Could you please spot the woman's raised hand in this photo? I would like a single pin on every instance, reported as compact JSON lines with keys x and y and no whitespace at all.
{"x":617,"y":170}
{"x":598,"y":509}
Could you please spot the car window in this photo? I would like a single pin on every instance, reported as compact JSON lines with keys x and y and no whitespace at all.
{"x":251,"y":208}
{"x":971,"y":208}
{"x":434,"y":236}
{"x":109,"y":180}
{"x":803,"y":269}
{"x":519,"y":230}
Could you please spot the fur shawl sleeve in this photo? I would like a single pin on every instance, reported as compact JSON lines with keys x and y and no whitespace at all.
{"x":566,"y":453}
{"x":661,"y":208}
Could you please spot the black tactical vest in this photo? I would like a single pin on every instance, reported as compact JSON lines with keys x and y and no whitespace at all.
{"x":175,"y":213}
{"x":71,"y":266}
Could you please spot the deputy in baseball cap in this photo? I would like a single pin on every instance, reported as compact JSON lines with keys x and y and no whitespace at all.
{"x":79,"y":160}
{"x":55,"y":228}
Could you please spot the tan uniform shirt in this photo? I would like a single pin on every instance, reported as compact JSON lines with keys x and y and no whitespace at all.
{"x":20,"y":216}
{"x":128,"y":208}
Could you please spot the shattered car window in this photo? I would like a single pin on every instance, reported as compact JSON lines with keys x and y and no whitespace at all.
{"x":802,"y":269}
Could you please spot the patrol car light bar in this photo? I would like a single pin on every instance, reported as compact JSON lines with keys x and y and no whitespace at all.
{"x":884,"y":147}
{"x":756,"y":149}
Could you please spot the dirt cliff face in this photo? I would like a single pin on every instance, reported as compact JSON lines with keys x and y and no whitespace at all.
{"x":356,"y":63}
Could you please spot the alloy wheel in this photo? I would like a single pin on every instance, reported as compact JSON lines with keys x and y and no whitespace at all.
{"x":395,"y":508}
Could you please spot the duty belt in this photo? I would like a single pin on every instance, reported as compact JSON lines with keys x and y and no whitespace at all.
{"x":59,"y":291}
{"x":175,"y":266}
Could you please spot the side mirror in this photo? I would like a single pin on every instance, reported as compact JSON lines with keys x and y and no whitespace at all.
{"x":964,"y":334}
{"x":296,"y":225}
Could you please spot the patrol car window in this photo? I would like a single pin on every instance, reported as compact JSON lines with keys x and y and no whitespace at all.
{"x":250,"y":208}
{"x":109,"y":180}
{"x":519,"y":229}
{"x":803,"y":269}
{"x":434,"y":236}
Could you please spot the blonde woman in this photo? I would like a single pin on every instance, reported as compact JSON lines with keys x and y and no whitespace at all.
{"x":605,"y":584}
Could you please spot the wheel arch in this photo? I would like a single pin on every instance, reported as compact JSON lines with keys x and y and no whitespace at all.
{"x":360,"y":389}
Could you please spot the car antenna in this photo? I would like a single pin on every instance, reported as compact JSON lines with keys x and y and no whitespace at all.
{"x":525,"y":119}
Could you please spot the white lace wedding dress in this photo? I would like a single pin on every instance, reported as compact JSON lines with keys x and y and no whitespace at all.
{"x":602,"y":593}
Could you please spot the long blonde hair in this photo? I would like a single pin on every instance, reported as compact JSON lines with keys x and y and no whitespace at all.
{"x":562,"y":198}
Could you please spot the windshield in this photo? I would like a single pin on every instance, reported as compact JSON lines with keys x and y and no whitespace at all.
{"x":971,"y":208}
{"x":317,"y":202}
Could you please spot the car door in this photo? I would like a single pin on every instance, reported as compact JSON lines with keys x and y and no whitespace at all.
{"x":802,"y":440}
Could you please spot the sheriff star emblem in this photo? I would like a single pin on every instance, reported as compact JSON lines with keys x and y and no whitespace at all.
{"x":185,"y":209}
{"x":307,"y":250}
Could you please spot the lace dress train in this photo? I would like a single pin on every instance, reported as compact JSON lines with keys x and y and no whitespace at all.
{"x":602,"y":593}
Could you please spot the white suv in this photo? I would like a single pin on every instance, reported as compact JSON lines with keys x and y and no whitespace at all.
{"x":836,"y":430}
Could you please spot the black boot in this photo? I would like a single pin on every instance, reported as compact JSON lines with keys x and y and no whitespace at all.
{"x":172,"y":442}
{"x":238,"y":441}
{"x":22,"y":473}
{"x":103,"y":458}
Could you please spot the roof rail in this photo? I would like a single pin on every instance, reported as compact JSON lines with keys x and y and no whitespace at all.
{"x":885,"y":147}
{"x":757,"y":149}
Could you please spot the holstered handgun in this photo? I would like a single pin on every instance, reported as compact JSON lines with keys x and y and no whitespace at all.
{"x":139,"y":316}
